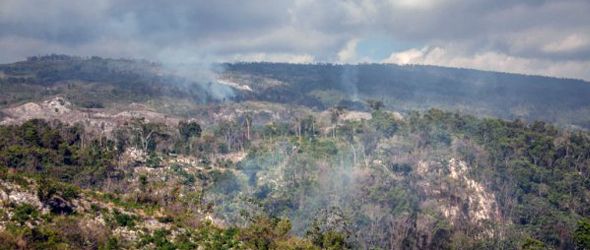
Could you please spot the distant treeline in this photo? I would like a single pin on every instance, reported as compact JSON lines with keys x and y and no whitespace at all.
{"x":510,"y":96}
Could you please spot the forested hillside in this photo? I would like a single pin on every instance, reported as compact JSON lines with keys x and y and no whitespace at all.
{"x":434,"y":180}
{"x":96,"y":82}
{"x":415,"y":87}
{"x":99,"y":82}
{"x":117,"y":154}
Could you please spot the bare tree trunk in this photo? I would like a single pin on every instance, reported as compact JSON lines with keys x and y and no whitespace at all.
{"x":353,"y":154}
{"x":248,"y":122}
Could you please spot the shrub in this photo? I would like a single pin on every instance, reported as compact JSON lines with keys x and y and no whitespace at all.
{"x":57,"y":196}
{"x":24,"y":212}
{"x":582,"y":234}
{"x":159,"y":239}
{"x":123,"y":219}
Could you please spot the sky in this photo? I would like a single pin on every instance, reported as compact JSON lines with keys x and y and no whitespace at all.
{"x":546,"y":37}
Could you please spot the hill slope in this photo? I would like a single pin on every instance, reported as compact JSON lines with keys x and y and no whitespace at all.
{"x":293,"y":158}
{"x":403,"y":88}
{"x":99,"y":82}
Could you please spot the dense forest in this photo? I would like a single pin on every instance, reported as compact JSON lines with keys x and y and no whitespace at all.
{"x":377,"y":182}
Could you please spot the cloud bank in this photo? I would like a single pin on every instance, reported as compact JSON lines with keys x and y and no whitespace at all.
{"x":549,"y":37}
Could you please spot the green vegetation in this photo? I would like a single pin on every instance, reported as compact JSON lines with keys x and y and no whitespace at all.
{"x":418,"y":87}
{"x":124,"y":220}
{"x":344,"y":189}
{"x":24,"y":212}
{"x":100,"y":82}
{"x":93,"y":82}
{"x":280,"y":177}
{"x":582,"y":234}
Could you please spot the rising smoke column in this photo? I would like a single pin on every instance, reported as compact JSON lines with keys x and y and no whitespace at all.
{"x":349,"y":80}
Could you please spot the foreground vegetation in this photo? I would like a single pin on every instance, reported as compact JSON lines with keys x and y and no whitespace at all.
{"x":428,"y":180}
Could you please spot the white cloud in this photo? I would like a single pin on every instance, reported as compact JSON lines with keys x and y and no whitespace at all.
{"x":410,"y":56}
{"x":348,"y":53}
{"x":570,"y":43}
{"x":416,"y":4}
{"x":487,"y":34}
{"x":270,"y":57}
{"x":489,"y":60}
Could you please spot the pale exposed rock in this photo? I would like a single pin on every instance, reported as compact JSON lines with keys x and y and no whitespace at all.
{"x":457,"y":169}
{"x":422,"y":168}
{"x":95,"y":121}
{"x":24,"y":197}
{"x":355,"y":116}
{"x":234,"y":84}
{"x":135,"y":155}
{"x":3,"y":196}
{"x":152,"y":224}
{"x":450,"y":211}
{"x":47,"y":109}
{"x":126,"y":233}
{"x":397,"y":115}
{"x":482,"y":203}
{"x":234,"y":157}
{"x":186,"y":160}
{"x":10,"y":193}
{"x":99,"y":220}
{"x":250,"y":81}
{"x":58,"y":104}
{"x":214,"y":220}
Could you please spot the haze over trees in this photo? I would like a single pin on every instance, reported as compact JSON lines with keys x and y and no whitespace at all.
{"x":322,"y":86}
{"x":299,"y":161}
